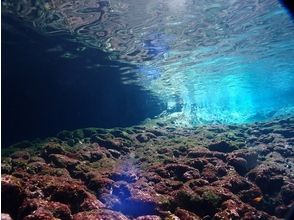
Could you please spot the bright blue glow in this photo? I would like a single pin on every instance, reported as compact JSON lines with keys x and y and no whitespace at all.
{"x":234,"y":93}
{"x":225,"y":61}
{"x":245,"y":77}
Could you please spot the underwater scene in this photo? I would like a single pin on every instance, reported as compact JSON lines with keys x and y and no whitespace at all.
{"x":147,"y":109}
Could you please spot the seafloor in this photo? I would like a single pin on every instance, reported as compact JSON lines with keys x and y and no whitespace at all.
{"x":153,"y":171}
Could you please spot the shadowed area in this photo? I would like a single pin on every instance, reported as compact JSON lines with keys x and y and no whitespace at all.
{"x":47,"y":87}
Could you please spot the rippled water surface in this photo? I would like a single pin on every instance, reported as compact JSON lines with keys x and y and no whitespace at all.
{"x":226,"y":61}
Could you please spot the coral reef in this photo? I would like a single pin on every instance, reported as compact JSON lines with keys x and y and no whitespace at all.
{"x":153,"y":171}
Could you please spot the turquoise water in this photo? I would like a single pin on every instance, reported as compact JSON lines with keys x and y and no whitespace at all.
{"x":224,"y":61}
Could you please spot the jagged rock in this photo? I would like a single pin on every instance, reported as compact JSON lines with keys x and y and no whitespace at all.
{"x":222,"y":146}
{"x":243,"y":160}
{"x":182,"y":172}
{"x":23,"y":155}
{"x":287,"y":192}
{"x":209,"y":173}
{"x":12,"y":194}
{"x":199,"y":163}
{"x":92,"y":155}
{"x":239,"y":163}
{"x":269,"y":179}
{"x":142,"y":138}
{"x":63,"y":161}
{"x":40,"y":214}
{"x":90,"y":202}
{"x":230,"y":210}
{"x":33,"y":209}
{"x":66,"y":191}
{"x":171,"y":173}
{"x":186,"y":215}
{"x":117,"y":144}
{"x":201,"y":152}
{"x":101,"y":214}
{"x":99,"y":184}
{"x":36,"y":167}
{"x":52,"y":148}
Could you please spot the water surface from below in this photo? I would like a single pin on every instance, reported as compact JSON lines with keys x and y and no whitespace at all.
{"x":210,"y":62}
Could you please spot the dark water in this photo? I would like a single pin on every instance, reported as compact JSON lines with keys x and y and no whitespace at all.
{"x":81,"y":63}
{"x":43,"y":92}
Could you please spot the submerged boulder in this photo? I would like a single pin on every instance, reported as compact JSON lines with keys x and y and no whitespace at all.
{"x":12,"y":194}
{"x":222,"y":146}
{"x":99,"y":214}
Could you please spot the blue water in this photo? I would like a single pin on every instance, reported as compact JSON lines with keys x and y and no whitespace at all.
{"x":224,"y":61}
{"x":236,"y":93}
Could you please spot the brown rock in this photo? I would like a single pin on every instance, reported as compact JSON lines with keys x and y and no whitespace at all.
{"x":209,"y":173}
{"x":222,"y":146}
{"x":36,"y":208}
{"x":186,"y":215}
{"x":243,"y":160}
{"x":181,"y":172}
{"x":12,"y":194}
{"x":40,"y":214}
{"x":268,"y":178}
{"x":52,"y":148}
{"x":230,"y":211}
{"x":63,"y":161}
{"x":101,"y":214}
{"x":24,"y":155}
